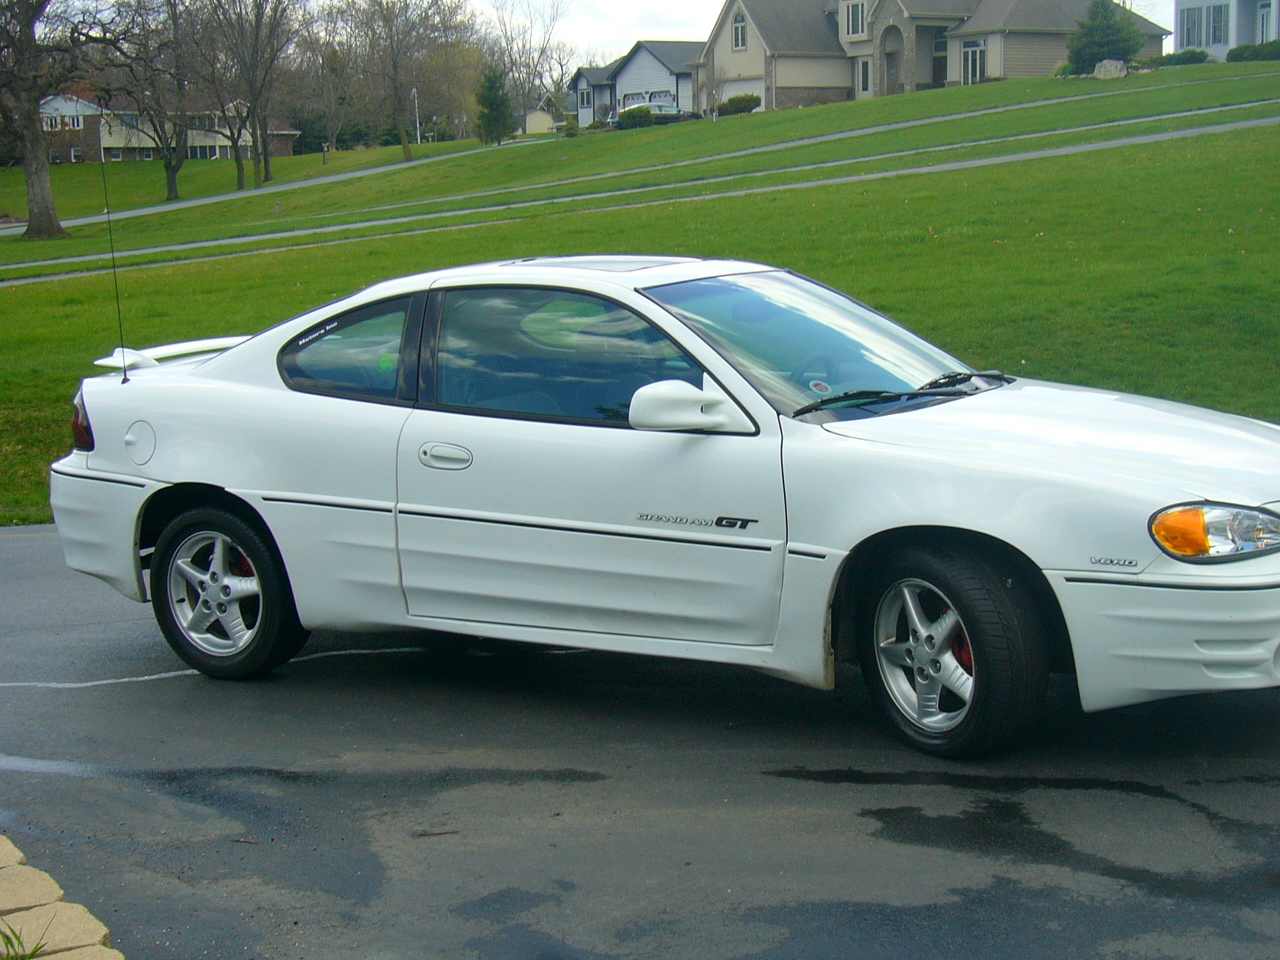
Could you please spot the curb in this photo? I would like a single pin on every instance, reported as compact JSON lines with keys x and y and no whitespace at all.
{"x":32,"y":905}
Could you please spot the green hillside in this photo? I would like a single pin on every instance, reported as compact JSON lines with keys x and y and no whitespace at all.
{"x":1144,"y":266}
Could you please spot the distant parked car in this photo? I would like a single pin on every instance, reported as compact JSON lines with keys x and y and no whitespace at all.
{"x":712,"y":460}
{"x":661,"y":113}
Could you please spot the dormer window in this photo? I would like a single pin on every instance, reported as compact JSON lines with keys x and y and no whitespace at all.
{"x":855,"y":19}
{"x":739,"y":31}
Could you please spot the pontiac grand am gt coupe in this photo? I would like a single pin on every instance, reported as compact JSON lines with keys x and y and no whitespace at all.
{"x":714,"y":460}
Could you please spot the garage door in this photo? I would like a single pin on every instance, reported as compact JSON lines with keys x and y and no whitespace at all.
{"x":733,"y":88}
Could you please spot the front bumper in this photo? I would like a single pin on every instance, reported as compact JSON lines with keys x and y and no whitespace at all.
{"x":1135,"y":641}
{"x":97,"y":517}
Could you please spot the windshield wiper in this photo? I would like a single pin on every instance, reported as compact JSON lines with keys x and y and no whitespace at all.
{"x":957,"y":377}
{"x":862,"y":398}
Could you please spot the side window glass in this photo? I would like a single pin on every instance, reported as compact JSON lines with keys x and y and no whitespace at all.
{"x":357,"y":354}
{"x":550,"y":354}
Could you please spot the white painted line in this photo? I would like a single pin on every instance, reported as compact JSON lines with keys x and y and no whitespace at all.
{"x":83,"y":684}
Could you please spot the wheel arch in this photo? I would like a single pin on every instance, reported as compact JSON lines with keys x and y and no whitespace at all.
{"x":166,"y":504}
{"x":858,"y":566}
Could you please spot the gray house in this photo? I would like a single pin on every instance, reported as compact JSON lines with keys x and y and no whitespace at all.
{"x":797,"y":52}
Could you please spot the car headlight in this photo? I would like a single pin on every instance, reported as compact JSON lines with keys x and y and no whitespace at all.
{"x":1215,"y":531}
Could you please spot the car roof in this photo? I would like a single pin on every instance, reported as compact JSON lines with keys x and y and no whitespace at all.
{"x":624,"y":271}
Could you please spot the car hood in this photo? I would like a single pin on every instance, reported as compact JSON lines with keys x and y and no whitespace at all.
{"x":1083,"y":433}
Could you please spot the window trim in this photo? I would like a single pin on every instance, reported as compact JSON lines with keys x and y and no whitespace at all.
{"x":433,"y":328}
{"x":584,"y":98}
{"x":861,"y":7}
{"x":411,"y":342}
{"x":739,"y":25}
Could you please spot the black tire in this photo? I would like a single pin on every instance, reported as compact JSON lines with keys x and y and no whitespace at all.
{"x":953,"y":651}
{"x":222,"y":597}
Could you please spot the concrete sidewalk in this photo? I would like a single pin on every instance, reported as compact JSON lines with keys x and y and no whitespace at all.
{"x":32,"y":905}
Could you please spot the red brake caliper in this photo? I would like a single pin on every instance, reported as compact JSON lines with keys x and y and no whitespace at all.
{"x":964,"y":653}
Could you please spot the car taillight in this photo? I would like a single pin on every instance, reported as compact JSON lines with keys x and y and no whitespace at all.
{"x":81,"y":430}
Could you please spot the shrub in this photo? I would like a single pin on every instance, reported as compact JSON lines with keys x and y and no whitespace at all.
{"x":1107,"y":32}
{"x":742,"y":103}
{"x":571,"y":127}
{"x":596,"y":125}
{"x":635,"y":117}
{"x":1180,"y":59}
{"x":1255,"y":51}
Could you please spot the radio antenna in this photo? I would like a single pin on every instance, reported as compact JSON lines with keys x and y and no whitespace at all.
{"x":115,"y":277}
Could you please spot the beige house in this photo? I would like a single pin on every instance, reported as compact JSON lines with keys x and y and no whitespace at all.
{"x":799,"y":52}
{"x":81,"y":132}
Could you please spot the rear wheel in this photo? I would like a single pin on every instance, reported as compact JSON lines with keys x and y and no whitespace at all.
{"x":221,"y":596}
{"x":952,"y":648}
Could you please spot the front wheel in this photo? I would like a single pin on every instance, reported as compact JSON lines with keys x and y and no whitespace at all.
{"x":221,"y":596}
{"x":952,"y":648}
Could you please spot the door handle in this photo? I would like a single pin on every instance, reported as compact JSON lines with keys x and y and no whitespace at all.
{"x":444,"y":456}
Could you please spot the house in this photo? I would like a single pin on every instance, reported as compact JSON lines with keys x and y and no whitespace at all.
{"x":657,"y":71}
{"x":1217,"y":27}
{"x":80,"y":131}
{"x":799,"y":52}
{"x":550,"y":113}
{"x":593,"y":90}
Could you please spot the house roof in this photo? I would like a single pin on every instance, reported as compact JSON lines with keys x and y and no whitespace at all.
{"x":793,"y":26}
{"x":1037,"y":16}
{"x":676,"y":55}
{"x":596,"y":76}
{"x":943,"y":9}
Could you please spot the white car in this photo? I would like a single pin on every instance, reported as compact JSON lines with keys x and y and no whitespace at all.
{"x":713,"y":460}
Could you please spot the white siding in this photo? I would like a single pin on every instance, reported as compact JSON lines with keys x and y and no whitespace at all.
{"x":644,"y":79}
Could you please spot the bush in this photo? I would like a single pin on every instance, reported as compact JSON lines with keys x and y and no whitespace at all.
{"x":635,"y":117}
{"x":1255,"y":51}
{"x":742,"y":103}
{"x":1180,"y":59}
{"x":1107,"y":32}
{"x":571,"y":127}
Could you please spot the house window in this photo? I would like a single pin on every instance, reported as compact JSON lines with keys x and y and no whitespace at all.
{"x":148,"y":153}
{"x":584,"y":98}
{"x":115,"y":154}
{"x":75,"y":122}
{"x":739,"y":31}
{"x":52,"y":123}
{"x":973,"y":62}
{"x":1192,"y":27}
{"x":864,"y":69}
{"x":855,"y":19}
{"x":76,"y":154}
{"x":1216,"y":25}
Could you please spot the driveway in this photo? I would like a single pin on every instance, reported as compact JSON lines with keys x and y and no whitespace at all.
{"x":411,"y":796}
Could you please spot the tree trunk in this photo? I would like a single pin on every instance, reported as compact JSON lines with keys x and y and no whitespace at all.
{"x":255,"y":153}
{"x":239,"y":158}
{"x":171,"y":180}
{"x":42,"y":216}
{"x":266,"y":158}
{"x":404,"y":141}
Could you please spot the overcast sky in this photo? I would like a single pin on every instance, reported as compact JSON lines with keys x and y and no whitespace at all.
{"x":608,"y":29}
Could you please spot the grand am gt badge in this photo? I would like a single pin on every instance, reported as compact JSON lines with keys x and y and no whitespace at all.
{"x":732,"y":523}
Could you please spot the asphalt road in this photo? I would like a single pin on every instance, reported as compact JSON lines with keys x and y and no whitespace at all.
{"x":422,"y":797}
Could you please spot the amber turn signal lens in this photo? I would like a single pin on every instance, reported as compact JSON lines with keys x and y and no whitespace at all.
{"x":1182,"y":532}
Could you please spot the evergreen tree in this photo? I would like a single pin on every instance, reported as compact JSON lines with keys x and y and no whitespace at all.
{"x":1107,"y":32}
{"x":495,"y":120}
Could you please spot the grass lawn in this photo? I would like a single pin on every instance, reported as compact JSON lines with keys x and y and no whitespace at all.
{"x":1148,"y":268}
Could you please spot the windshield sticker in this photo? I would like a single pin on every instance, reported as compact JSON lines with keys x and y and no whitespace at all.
{"x":820,"y":387}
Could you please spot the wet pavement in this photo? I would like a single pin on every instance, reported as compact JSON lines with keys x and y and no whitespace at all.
{"x":422,"y":796}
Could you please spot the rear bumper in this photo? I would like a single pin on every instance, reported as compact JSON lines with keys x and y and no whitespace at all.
{"x":97,"y":518}
{"x":1135,"y":642}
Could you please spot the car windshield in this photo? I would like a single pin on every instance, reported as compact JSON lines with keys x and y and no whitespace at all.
{"x":798,"y":342}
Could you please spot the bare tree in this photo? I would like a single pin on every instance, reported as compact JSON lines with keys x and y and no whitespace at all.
{"x":41,"y":47}
{"x":526,"y":47}
{"x":396,"y":34}
{"x":218,"y":81}
{"x":154,"y":75}
{"x":255,"y":35}
{"x":328,"y":70}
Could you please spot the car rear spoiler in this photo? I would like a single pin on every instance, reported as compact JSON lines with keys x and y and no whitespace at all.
{"x":129,"y":359}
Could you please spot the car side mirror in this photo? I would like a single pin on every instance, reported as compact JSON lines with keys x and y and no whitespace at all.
{"x":677,"y":405}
